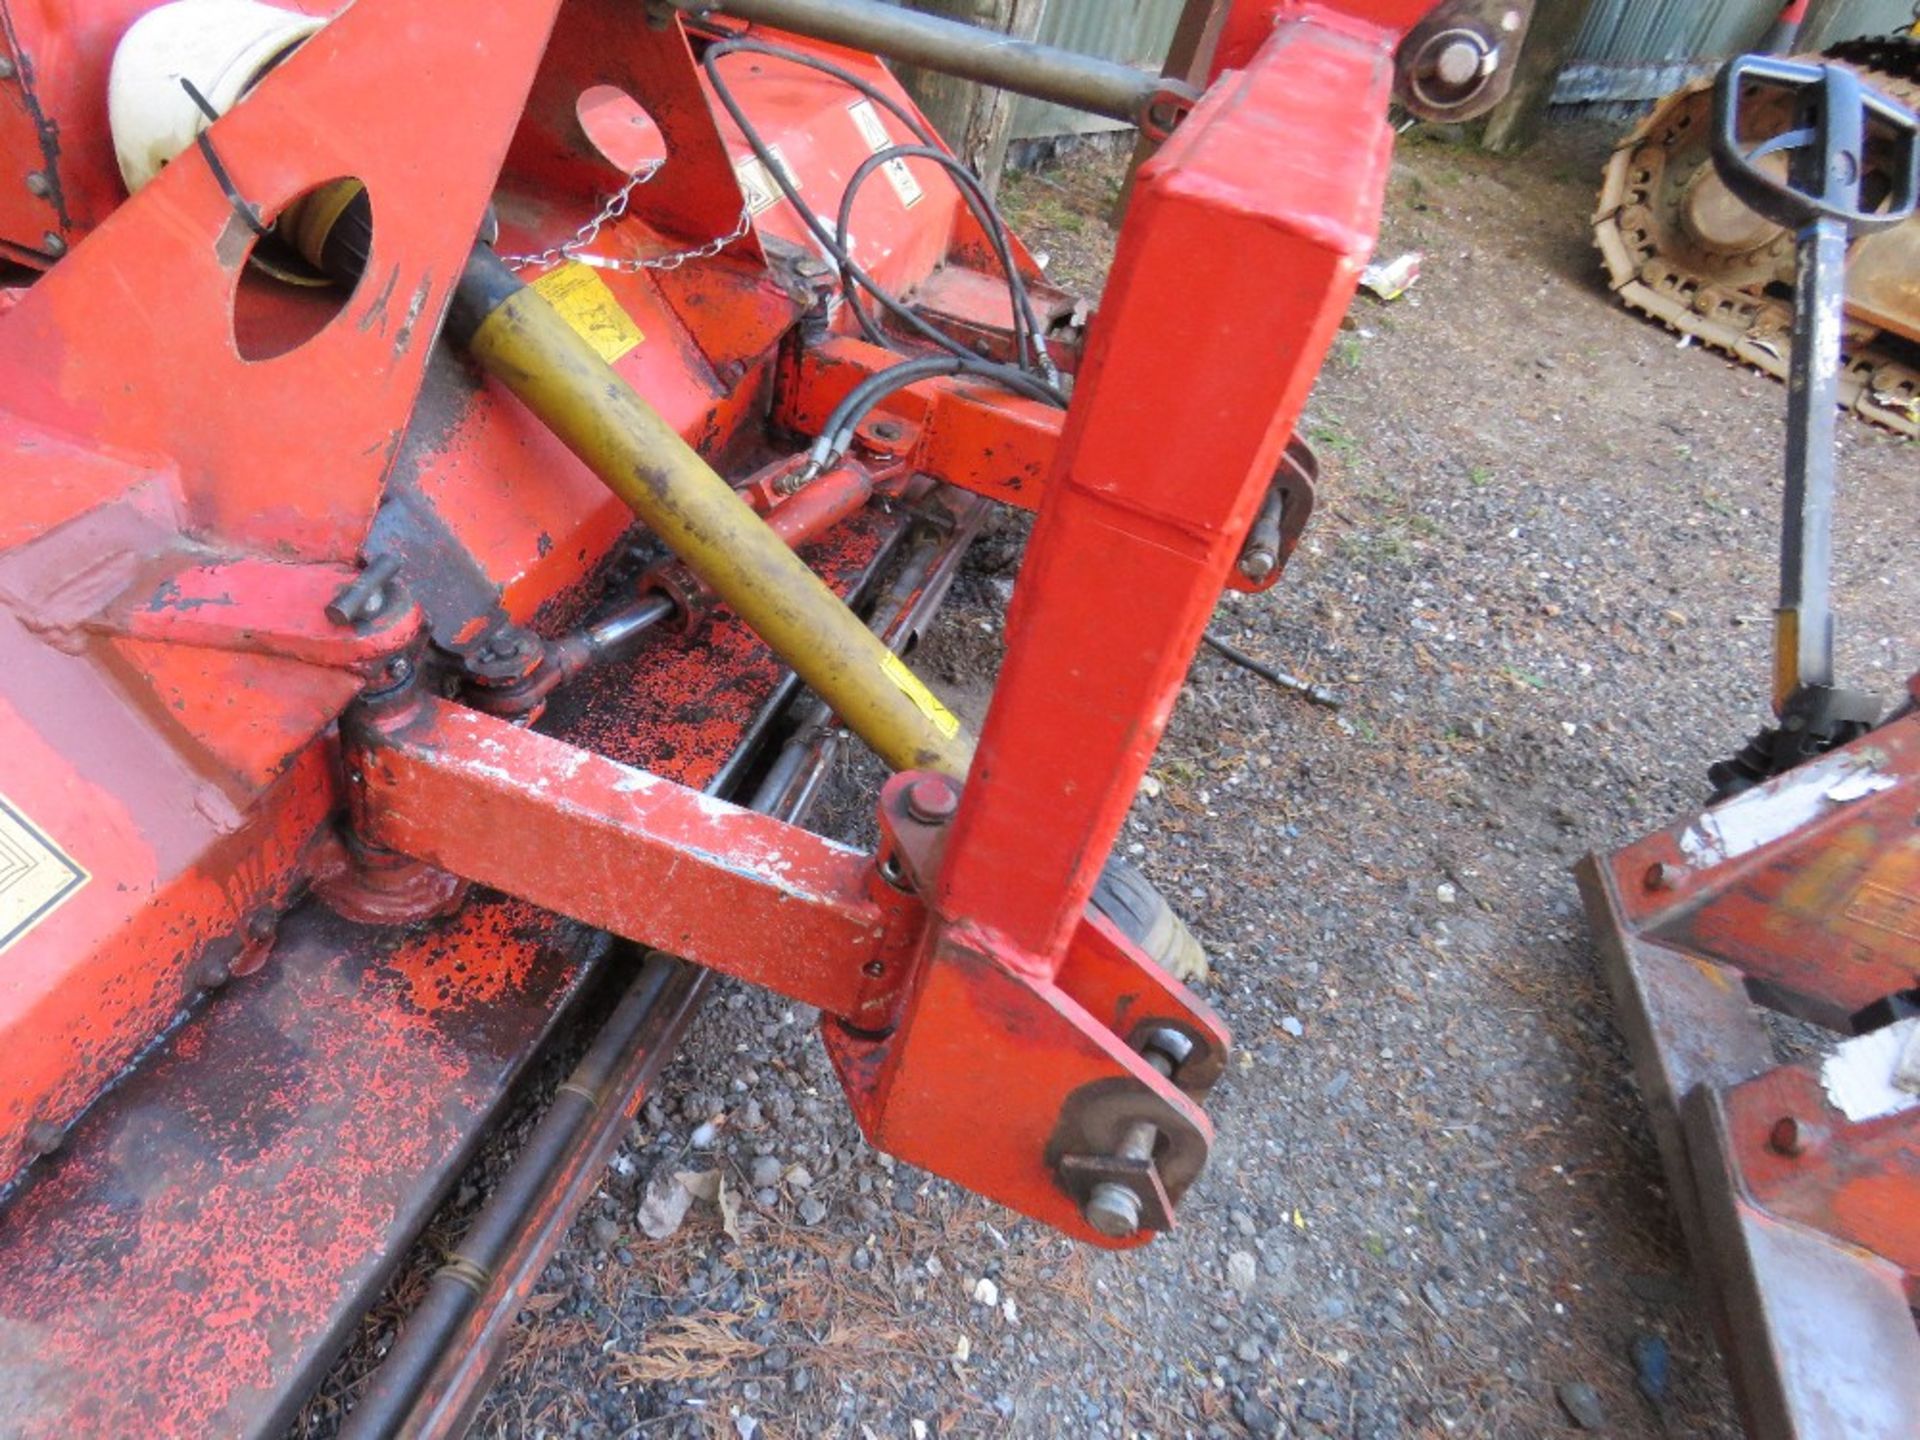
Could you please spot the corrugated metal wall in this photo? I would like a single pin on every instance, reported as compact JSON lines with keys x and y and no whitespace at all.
{"x":1136,"y":31}
{"x":1631,"y":50}
{"x":1851,"y":18}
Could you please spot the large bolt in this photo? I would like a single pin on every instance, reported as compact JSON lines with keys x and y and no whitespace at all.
{"x":1257,"y":562}
{"x":1792,"y":1136}
{"x":1112,"y":1208}
{"x":367,"y":594}
{"x":1163,"y":1043}
{"x":38,"y":184}
{"x":1457,"y":63}
{"x":1663,"y":875}
{"x":931,"y":800}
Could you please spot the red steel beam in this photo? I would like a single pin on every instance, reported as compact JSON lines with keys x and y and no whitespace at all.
{"x":1238,"y":257}
{"x":619,"y":849}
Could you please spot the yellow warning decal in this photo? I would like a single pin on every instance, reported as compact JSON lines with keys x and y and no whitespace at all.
{"x":944,"y":720}
{"x":37,"y":877}
{"x":585,"y":303}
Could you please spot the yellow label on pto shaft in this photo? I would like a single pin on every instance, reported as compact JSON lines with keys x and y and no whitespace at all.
{"x":944,"y":720}
{"x":583,"y":300}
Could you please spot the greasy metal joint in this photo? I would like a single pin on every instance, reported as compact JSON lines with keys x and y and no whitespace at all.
{"x":1124,"y":1191}
{"x":1175,"y":1047}
{"x":391,"y":679}
{"x":511,"y":671}
{"x":894,"y":873}
{"x":1115,"y":1209}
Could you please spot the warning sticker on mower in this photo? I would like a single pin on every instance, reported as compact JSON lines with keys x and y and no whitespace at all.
{"x":584,"y":302}
{"x":757,"y":185}
{"x":873,"y":130}
{"x":944,"y":720}
{"x":36,"y":875}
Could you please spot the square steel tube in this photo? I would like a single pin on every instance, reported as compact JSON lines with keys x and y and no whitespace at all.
{"x":1240,"y":253}
{"x":619,"y":849}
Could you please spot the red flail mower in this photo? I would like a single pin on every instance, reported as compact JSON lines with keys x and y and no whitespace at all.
{"x":466,"y":468}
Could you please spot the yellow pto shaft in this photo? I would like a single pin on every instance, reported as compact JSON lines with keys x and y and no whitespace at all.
{"x":518,"y":338}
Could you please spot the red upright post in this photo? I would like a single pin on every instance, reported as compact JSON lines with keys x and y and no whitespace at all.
{"x":1237,"y":259}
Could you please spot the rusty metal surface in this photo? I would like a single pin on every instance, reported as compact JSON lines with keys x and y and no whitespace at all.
{"x":1805,"y":1160}
{"x":194,"y":1256}
{"x":216,"y":1225}
{"x":655,"y":861}
{"x":1805,"y":1221}
{"x":1821,"y":1337}
{"x":1803,"y":885}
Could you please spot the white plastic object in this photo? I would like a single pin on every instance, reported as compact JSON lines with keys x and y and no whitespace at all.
{"x":222,"y":46}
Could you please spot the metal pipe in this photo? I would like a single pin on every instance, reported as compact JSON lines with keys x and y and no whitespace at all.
{"x":932,"y":42}
{"x":606,"y":637}
{"x":458,"y":1285}
{"x":1261,"y":553}
{"x":1803,"y":623}
{"x":515,"y":335}
{"x":1280,"y":679}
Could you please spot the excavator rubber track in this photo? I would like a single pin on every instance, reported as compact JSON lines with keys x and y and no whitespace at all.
{"x":1680,"y":248}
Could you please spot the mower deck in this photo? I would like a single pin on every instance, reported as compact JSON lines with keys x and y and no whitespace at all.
{"x":194,"y":1258}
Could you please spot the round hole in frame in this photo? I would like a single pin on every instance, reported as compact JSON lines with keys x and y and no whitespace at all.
{"x":298,"y":277}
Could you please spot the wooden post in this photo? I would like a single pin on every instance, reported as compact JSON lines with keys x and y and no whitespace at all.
{"x":1515,"y":122}
{"x":972,"y":119}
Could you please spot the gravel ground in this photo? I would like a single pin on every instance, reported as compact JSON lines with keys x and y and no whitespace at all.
{"x":1540,"y":575}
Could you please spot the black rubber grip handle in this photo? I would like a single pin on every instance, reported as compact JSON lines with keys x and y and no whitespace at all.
{"x":1835,"y":113}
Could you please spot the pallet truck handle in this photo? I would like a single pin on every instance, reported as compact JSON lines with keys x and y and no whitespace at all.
{"x":1837,"y":115}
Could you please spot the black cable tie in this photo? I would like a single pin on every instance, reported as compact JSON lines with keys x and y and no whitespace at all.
{"x":241,"y":207}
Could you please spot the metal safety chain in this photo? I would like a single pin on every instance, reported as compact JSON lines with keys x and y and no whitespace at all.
{"x":616,"y":206}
